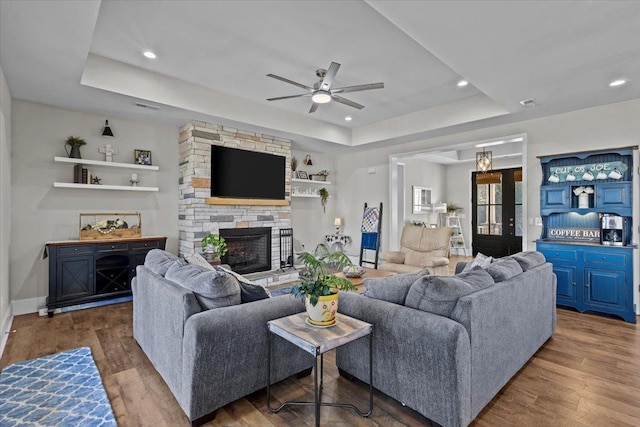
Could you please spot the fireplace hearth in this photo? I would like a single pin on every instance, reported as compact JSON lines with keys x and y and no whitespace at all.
{"x":249,"y":249}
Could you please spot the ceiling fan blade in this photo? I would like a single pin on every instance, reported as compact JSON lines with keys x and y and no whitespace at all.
{"x":331,"y":74}
{"x":314,"y":107}
{"x":345,"y":101}
{"x":357,"y":88}
{"x":291,"y":82}
{"x":288,"y":97}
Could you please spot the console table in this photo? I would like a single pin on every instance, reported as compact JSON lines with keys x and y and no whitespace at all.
{"x":88,"y":271}
{"x":317,"y":341}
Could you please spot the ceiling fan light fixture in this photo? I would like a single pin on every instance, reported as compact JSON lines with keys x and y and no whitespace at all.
{"x":321,"y":97}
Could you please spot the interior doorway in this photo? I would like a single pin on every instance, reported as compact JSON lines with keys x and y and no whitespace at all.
{"x":497,"y":214}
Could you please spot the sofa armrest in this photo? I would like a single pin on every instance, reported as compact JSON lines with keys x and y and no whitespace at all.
{"x":434,"y":262}
{"x":430,"y":353}
{"x":160,"y":310}
{"x":394,"y":257}
{"x":225,"y":354}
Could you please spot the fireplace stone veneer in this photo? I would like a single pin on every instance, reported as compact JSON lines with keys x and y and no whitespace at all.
{"x":196,"y":218}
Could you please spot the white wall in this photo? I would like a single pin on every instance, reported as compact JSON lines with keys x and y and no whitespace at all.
{"x":310,"y":224}
{"x":41,"y":213}
{"x":5,"y":206}
{"x":424,"y":174}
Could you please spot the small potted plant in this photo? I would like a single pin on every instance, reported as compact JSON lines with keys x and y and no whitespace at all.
{"x":75,"y":143}
{"x":319,"y":286}
{"x":320,"y":176}
{"x":213,"y":247}
{"x":452,"y":209}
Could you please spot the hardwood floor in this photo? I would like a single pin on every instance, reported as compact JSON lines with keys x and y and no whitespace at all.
{"x":587,"y":374}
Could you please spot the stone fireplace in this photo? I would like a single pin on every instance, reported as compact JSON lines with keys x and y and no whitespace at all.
{"x":249,"y":249}
{"x":199,"y":214}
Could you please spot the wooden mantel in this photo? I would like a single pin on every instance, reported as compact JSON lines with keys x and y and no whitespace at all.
{"x":245,"y":202}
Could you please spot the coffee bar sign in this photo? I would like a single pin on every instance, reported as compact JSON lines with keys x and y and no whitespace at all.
{"x":588,"y":172}
{"x":574,"y":234}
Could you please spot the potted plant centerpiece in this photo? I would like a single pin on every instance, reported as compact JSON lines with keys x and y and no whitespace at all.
{"x":75,"y":143}
{"x":319,"y":286}
{"x":213,"y":247}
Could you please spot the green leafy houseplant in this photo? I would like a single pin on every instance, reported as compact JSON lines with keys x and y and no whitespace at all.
{"x":214,"y":245}
{"x":75,"y":141}
{"x":324,"y":196}
{"x":453,"y":208}
{"x":318,"y":279}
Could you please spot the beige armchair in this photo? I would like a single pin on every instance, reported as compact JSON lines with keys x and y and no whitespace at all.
{"x":420,"y":248}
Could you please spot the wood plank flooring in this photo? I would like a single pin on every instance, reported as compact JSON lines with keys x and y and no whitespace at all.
{"x":587,"y":374}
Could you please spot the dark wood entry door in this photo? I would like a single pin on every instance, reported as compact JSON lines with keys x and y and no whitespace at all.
{"x":497,"y":212}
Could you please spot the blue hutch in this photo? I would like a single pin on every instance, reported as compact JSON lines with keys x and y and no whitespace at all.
{"x":577,"y":190}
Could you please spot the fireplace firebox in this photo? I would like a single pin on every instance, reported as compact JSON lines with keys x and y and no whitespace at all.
{"x":248,"y":249}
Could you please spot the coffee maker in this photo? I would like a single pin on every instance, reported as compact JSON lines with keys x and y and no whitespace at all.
{"x":612,"y":230}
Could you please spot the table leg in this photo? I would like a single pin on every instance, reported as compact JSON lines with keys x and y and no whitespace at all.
{"x":316,"y":391}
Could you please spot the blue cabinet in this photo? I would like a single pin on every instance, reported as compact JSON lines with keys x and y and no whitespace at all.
{"x":555,"y":198}
{"x":593,"y":278}
{"x":614,"y":197}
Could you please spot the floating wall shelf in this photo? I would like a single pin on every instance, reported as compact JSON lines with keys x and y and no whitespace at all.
{"x":103,"y":163}
{"x":102,"y":187}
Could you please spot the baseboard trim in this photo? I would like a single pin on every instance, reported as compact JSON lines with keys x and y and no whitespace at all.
{"x":5,"y":328}
{"x":28,"y":305}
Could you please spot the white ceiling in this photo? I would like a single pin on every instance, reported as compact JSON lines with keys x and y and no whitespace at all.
{"x":213,"y":57}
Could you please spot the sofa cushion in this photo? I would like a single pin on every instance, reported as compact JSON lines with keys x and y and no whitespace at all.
{"x":212,"y":288}
{"x":504,"y":269}
{"x":529,"y":259}
{"x":249,"y":291}
{"x":480,"y":260}
{"x":159,"y":261}
{"x":197,"y":259}
{"x":439,"y":294}
{"x":392,"y":289}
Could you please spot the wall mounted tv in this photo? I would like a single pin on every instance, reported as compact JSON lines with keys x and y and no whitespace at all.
{"x":246,"y":174}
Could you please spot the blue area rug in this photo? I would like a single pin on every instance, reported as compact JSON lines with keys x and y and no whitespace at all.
{"x":63,"y":389}
{"x":282,"y":291}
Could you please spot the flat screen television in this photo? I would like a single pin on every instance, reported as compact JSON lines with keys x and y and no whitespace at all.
{"x":246,"y":174}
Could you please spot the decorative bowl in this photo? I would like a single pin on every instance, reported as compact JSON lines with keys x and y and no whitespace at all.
{"x":353,"y":271}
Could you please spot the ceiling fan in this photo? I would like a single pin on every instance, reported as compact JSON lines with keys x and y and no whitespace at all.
{"x":321,"y":92}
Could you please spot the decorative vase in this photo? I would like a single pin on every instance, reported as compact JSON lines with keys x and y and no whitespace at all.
{"x":75,"y":151}
{"x":324,"y":312}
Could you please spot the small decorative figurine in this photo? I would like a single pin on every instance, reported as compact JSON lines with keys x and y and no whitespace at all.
{"x":96,"y":180}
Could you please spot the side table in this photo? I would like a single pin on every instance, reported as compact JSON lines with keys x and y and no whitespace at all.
{"x":317,"y":341}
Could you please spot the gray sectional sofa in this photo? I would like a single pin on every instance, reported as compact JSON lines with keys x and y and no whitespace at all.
{"x":445,"y":346}
{"x":209,"y":348}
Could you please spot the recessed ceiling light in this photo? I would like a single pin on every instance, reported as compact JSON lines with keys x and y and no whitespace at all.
{"x":348,"y":118}
{"x":462,"y":83}
{"x":618,"y":82}
{"x":149,"y":54}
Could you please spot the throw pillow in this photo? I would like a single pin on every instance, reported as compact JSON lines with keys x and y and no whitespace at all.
{"x":160,"y":261}
{"x":392,"y":289}
{"x":529,"y":259}
{"x":504,"y":269}
{"x":480,"y":260}
{"x":248,"y":291}
{"x":212,"y":288}
{"x":197,"y":259}
{"x":440,"y":294}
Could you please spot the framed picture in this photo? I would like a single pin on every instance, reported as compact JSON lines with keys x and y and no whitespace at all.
{"x":142,"y":157}
{"x":302,"y":174}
